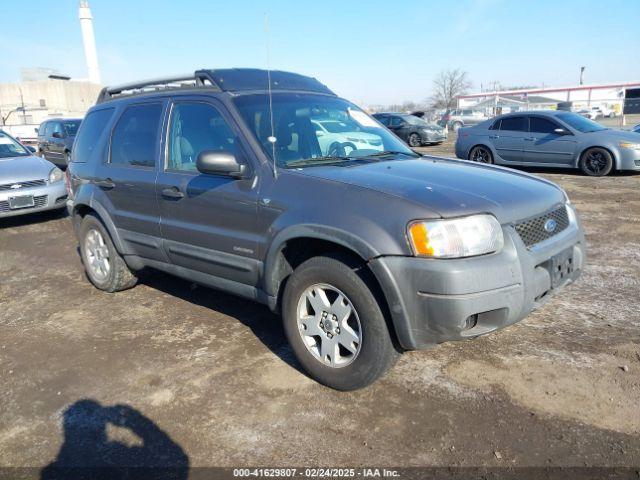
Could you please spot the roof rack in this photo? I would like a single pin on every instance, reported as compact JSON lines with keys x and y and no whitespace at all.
{"x":227,"y":80}
{"x":155,"y":84}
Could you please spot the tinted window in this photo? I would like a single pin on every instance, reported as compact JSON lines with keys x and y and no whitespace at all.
{"x":42,"y":129}
{"x":56,"y":127}
{"x":71,"y":127}
{"x":541,"y":125}
{"x":92,"y":127}
{"x":47,"y":129}
{"x":396,"y":122}
{"x":135,"y":136}
{"x":383,"y":120}
{"x":467,"y":112}
{"x":514,"y":124}
{"x":196,"y":127}
{"x":496,"y":125}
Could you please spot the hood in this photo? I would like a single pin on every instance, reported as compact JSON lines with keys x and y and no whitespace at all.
{"x":620,"y":135}
{"x":452,"y":188}
{"x":23,"y":169}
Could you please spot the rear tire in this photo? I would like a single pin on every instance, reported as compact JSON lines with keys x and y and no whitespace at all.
{"x":104,"y":266}
{"x":481,"y":154}
{"x":596,"y":162}
{"x":322,"y":296}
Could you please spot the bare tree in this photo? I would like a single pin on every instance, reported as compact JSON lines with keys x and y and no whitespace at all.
{"x":448,"y":85}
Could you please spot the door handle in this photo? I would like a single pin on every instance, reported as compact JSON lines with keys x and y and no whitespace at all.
{"x":493,"y":137}
{"x":106,"y":184}
{"x":172,"y":192}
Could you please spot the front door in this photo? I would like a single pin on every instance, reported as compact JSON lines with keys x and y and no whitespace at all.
{"x":544,"y":145}
{"x":208,"y":222}
{"x":127,"y":179}
{"x":509,"y":140}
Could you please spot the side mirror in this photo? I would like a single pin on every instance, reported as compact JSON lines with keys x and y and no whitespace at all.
{"x":57,"y":135}
{"x":220,"y":163}
{"x":36,"y":130}
{"x":561,"y":131}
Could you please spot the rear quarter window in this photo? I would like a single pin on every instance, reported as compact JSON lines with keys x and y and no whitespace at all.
{"x":89,"y":134}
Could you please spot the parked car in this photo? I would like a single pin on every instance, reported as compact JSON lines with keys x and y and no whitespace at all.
{"x":592,"y":113}
{"x":339,"y":137}
{"x":365,"y":255}
{"x":28,"y":183}
{"x":550,"y":139}
{"x":411,"y":129}
{"x":455,"y":119}
{"x":55,"y":139}
{"x":607,"y":111}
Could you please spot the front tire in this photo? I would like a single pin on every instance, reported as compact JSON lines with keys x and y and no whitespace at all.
{"x":335,"y":325}
{"x":596,"y":162}
{"x":103,"y":265}
{"x":415,"y":140}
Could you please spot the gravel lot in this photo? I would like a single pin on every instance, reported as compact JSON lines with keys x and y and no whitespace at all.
{"x":207,"y":379}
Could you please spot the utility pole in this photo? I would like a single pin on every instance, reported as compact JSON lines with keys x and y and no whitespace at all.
{"x":582,"y":69}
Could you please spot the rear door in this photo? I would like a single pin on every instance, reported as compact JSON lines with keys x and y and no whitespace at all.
{"x":544,"y":145}
{"x":127,"y":178}
{"x":208,"y":222}
{"x":509,"y":140}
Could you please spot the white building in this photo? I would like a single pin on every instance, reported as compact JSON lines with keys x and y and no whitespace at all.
{"x":581,"y":96}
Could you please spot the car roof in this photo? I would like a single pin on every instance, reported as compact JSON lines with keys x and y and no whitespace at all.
{"x":61,"y":119}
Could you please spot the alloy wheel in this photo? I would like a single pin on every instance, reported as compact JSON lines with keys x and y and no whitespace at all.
{"x":481,"y":155}
{"x":97,"y":253}
{"x":329,"y":325}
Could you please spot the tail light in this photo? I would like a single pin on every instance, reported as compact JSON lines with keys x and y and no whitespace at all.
{"x":67,"y":182}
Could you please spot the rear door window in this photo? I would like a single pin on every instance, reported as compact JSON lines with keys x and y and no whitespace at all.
{"x":89,"y":134}
{"x":514,"y":124}
{"x":134,"y":141}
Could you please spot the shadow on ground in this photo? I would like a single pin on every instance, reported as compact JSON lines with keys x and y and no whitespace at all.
{"x":144,"y":452}
{"x":264,"y":324}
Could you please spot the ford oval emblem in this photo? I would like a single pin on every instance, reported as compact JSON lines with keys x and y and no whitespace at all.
{"x":550,"y":225}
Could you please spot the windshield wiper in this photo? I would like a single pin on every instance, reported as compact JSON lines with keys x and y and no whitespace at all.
{"x":385,"y":153}
{"x":318,"y":160}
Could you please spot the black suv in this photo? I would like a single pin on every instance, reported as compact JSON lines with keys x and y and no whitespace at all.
{"x":366,"y":248}
{"x":55,"y":139}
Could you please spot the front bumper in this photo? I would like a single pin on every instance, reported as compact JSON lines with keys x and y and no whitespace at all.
{"x":435,"y":300}
{"x":46,"y":197}
{"x":434,"y":136}
{"x":629,"y":159}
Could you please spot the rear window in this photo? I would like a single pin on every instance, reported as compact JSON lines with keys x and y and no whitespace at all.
{"x":514,"y":124}
{"x":89,"y":134}
{"x":135,"y":136}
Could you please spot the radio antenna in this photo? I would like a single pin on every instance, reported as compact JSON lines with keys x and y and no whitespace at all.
{"x":272,"y":139}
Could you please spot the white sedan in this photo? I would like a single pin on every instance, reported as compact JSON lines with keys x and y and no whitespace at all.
{"x":341,"y":138}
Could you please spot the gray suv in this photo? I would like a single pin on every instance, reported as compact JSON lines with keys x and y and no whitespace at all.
{"x":366,"y":251}
{"x":55,"y":139}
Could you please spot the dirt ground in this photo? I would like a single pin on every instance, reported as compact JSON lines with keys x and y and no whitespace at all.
{"x":203,"y":378}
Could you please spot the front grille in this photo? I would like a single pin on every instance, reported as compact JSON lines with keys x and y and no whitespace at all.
{"x":39,"y":201}
{"x":532,"y":231}
{"x":27,"y":184}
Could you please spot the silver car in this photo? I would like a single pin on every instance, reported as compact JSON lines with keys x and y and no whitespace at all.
{"x":27,"y":183}
{"x":550,"y":139}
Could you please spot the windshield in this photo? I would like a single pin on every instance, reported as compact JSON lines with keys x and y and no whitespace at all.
{"x":311,"y":129}
{"x":580,"y":123}
{"x":71,"y":127}
{"x":11,"y":148}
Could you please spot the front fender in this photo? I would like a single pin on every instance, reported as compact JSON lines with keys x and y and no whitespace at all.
{"x":319,"y":232}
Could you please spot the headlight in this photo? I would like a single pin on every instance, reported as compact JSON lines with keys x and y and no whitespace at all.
{"x":633,"y":146}
{"x":55,"y":175}
{"x":455,"y":238}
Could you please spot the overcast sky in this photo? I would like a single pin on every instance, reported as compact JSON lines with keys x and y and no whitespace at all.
{"x":375,"y":51}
